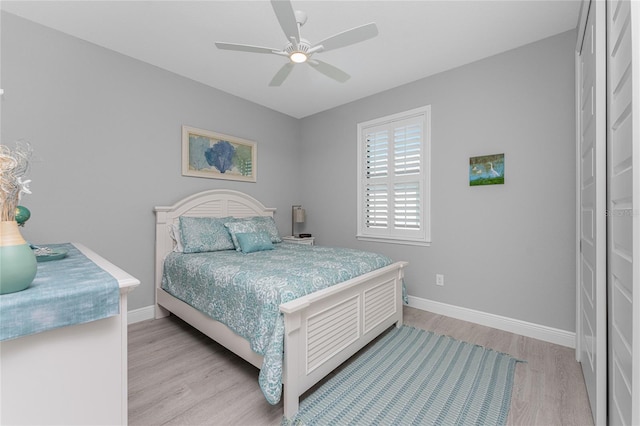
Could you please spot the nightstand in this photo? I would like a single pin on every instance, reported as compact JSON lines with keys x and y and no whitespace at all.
{"x":307,"y":241}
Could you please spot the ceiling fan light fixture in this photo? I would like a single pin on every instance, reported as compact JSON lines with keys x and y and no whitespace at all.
{"x":298,"y":57}
{"x":298,"y":52}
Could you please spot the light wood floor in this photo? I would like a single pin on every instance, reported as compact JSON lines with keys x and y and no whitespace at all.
{"x":178,"y":376}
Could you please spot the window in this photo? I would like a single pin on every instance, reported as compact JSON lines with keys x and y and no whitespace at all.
{"x":393,"y":178}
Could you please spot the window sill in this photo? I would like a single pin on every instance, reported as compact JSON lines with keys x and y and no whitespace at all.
{"x":394,"y":241}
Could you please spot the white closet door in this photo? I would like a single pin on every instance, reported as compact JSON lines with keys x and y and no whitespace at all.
{"x":623,"y":230}
{"x":591,"y":345}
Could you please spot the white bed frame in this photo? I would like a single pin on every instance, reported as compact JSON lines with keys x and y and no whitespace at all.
{"x":322,"y":329}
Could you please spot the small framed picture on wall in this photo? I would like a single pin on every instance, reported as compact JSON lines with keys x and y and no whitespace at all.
{"x":486,"y":170}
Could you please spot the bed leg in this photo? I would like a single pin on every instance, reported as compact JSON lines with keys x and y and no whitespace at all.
{"x":293,"y":349}
{"x":400,"y":299}
{"x":290,"y":405}
{"x":161,"y":312}
{"x":400,"y":317}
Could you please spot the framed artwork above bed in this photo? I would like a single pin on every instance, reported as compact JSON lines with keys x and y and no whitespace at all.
{"x":215,"y":155}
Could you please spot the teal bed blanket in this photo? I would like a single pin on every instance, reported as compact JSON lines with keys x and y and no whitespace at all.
{"x":244,"y":291}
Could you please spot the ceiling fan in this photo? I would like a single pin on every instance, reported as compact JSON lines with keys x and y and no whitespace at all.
{"x":300,"y":50}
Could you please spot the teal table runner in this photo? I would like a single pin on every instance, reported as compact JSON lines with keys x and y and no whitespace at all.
{"x":73,"y":290}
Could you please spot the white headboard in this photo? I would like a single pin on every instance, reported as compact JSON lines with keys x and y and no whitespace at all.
{"x":213,"y":203}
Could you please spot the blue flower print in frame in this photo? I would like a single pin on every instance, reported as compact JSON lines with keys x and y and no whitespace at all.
{"x":214,"y":155}
{"x":220,"y":155}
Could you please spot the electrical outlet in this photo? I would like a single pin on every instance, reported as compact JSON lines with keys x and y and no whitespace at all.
{"x":440,"y":279}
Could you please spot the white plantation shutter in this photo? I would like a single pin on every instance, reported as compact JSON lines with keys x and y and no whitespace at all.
{"x":377,"y":154}
{"x":377,"y":206}
{"x":406,"y":212}
{"x":407,"y":147}
{"x":393,"y":202}
{"x":376,"y":189}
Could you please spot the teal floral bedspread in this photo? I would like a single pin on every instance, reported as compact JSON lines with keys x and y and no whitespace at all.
{"x":244,"y":291}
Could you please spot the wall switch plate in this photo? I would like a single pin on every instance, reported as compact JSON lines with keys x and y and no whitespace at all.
{"x":440,"y":279}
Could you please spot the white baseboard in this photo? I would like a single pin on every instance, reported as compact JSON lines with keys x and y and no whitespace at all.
{"x":523,"y":328}
{"x":142,"y":314}
{"x":535,"y":331}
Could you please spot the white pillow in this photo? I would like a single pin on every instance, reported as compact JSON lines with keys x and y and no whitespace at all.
{"x":174,"y":232}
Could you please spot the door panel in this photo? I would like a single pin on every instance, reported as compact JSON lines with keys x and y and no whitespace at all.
{"x":591,"y":327}
{"x":622,"y":190}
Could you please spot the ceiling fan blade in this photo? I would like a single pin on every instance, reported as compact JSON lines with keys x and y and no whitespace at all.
{"x":349,"y":37}
{"x":329,"y":70}
{"x":244,"y":47}
{"x":282,"y":74}
{"x":287,"y":18}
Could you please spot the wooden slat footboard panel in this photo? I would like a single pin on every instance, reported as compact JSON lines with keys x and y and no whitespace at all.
{"x":332,"y":330}
{"x":379,"y":304}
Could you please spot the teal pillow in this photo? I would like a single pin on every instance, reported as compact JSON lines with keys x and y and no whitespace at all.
{"x":264,"y":224}
{"x":250,"y":242}
{"x":201,"y":234}
{"x":240,"y":227}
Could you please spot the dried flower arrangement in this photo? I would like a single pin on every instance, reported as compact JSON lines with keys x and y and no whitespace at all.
{"x":14,"y":164}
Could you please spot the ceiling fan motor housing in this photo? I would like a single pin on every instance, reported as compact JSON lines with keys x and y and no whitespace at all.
{"x":302,"y":47}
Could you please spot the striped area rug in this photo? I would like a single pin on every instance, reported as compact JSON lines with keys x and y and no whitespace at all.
{"x":414,"y":377}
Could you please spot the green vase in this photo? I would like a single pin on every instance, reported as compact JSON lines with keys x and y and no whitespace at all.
{"x":18,"y":264}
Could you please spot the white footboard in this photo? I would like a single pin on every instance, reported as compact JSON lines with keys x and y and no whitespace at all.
{"x":324,"y":329}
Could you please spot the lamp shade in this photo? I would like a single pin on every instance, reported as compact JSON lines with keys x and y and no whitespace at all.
{"x":297,"y":216}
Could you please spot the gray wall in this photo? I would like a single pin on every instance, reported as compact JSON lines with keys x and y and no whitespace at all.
{"x":106,"y":130}
{"x":503,"y":249}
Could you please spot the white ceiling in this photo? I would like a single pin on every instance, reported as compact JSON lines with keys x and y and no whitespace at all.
{"x":416,"y":39}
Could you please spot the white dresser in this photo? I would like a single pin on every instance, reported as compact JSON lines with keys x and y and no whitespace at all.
{"x":74,"y":375}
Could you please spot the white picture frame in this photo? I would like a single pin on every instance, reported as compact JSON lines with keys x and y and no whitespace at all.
{"x":215,"y":155}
